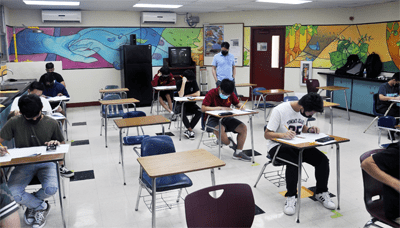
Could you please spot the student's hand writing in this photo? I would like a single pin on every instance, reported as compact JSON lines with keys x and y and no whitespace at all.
{"x":184,"y":80}
{"x":289,"y":134}
{"x":3,"y":150}
{"x":52,"y":142}
{"x":313,"y":130}
{"x":60,"y":94}
{"x":16,"y":113}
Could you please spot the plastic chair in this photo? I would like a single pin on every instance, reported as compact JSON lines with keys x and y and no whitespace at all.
{"x":234,"y":208}
{"x":109,"y":87}
{"x":373,"y":196}
{"x":387,"y":123}
{"x":156,"y":145}
{"x":137,"y":139}
{"x":114,"y":111}
{"x":312,"y":85}
{"x":374,"y":110}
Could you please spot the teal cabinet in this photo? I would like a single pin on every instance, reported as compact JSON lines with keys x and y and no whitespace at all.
{"x":362,"y":96}
{"x":338,"y":96}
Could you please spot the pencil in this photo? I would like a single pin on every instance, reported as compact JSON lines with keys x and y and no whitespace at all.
{"x":244,"y":104}
{"x":6,"y":149}
{"x":296,"y":135}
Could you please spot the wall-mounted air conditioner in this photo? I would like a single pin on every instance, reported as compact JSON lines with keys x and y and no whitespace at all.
{"x":158,"y":17}
{"x":61,"y":16}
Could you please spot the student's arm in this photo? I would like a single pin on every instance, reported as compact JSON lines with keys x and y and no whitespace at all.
{"x":271,"y":134}
{"x":3,"y":149}
{"x":64,"y":92}
{"x":209,"y":108}
{"x":214,"y":73}
{"x":195,"y":94}
{"x":234,"y":71}
{"x":385,"y":98}
{"x":181,"y":91}
{"x":63,"y":83}
{"x":372,"y":169}
{"x":312,"y":129}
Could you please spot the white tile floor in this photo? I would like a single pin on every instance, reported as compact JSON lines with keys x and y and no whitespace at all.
{"x":106,"y":202}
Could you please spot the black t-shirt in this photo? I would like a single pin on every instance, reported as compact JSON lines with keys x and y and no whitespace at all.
{"x":389,"y":91}
{"x":57,"y":77}
{"x":190,"y":87}
{"x":388,"y":160}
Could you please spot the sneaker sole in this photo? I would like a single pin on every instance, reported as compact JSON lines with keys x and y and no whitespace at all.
{"x":239,"y":158}
{"x":67,"y":175}
{"x":26,"y":221}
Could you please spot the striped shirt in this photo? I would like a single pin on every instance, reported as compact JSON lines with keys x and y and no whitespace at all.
{"x":7,"y":203}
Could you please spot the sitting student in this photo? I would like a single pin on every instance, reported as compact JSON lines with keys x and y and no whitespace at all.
{"x":52,"y":87}
{"x":164,"y":78}
{"x":187,"y":87}
{"x":8,"y":207}
{"x":57,"y":76}
{"x":384,"y":167}
{"x":389,"y":91}
{"x":287,"y":120}
{"x":29,"y":129}
{"x":221,"y":98}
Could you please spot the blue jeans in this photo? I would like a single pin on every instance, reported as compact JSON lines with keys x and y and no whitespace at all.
{"x":22,"y":175}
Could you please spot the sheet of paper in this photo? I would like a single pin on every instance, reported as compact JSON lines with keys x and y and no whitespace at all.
{"x":57,"y":116}
{"x":165,"y":87}
{"x":234,"y":111}
{"x":5,"y":158}
{"x":27,"y":151}
{"x":306,"y":138}
{"x":58,"y":98}
{"x":187,"y":99}
{"x":61,"y":149}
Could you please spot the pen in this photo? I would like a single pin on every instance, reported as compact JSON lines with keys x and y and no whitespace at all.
{"x":244,"y":104}
{"x":6,"y":149}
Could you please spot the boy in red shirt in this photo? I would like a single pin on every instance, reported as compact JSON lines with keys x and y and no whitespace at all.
{"x":164,"y":78}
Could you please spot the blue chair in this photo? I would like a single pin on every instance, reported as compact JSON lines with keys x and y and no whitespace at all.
{"x":260,"y":96}
{"x":387,"y":123}
{"x":109,"y":87}
{"x":137,"y":139}
{"x":374,"y":110}
{"x":157,"y":145}
{"x":113,"y":111}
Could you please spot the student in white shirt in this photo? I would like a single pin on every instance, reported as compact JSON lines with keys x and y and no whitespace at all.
{"x":287,"y":120}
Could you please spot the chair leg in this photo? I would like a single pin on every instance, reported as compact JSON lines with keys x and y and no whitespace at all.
{"x":138,"y":197}
{"x":101,"y":126}
{"x":201,"y":138}
{"x":371,"y":123}
{"x":372,"y":223}
{"x":179,"y":195}
{"x":261,"y":172}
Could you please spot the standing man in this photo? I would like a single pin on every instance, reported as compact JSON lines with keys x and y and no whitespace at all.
{"x":223,"y":65}
{"x":57,"y":76}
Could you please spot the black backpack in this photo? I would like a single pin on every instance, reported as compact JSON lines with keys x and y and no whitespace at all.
{"x":353,"y":67}
{"x":373,"y":65}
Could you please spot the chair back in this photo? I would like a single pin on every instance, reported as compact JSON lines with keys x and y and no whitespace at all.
{"x":113,"y":110}
{"x":234,"y":208}
{"x":133,"y":114}
{"x":374,"y":104}
{"x":290,"y":98}
{"x":387,"y":121}
{"x":111,"y":87}
{"x":160,"y":144}
{"x":312,"y":85}
{"x":255,"y":91}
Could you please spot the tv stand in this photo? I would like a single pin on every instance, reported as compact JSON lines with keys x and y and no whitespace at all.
{"x":178,"y":71}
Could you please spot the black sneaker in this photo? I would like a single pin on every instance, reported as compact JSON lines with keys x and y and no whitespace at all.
{"x":40,"y":217}
{"x":65,"y":172}
{"x":29,"y":216}
{"x":241,"y":156}
{"x":191,"y":135}
{"x":234,"y":147}
{"x":173,"y":117}
{"x":187,"y":134}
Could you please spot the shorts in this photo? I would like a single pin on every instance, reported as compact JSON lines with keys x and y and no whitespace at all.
{"x":230,"y":123}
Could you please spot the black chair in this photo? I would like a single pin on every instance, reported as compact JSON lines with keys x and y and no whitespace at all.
{"x":312,"y":85}
{"x":386,"y":123}
{"x":374,"y":110}
{"x":373,"y":197}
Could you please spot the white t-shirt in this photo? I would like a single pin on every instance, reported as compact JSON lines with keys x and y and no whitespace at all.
{"x":46,"y":105}
{"x":281,"y":116}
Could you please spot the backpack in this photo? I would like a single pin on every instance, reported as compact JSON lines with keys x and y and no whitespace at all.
{"x":373,"y":65}
{"x":353,"y":67}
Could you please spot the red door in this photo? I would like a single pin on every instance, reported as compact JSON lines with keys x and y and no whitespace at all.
{"x":267,"y":58}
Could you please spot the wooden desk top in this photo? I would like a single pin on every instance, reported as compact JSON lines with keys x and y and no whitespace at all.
{"x":180,"y":162}
{"x":330,"y":104}
{"x":311,"y":144}
{"x":275,"y":91}
{"x":245,"y":84}
{"x":119,"y":101}
{"x":141,"y":121}
{"x":114,"y":90}
{"x":233,"y":115}
{"x":332,"y":88}
{"x":33,"y":160}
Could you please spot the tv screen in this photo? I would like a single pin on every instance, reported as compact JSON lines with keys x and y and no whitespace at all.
{"x":180,"y":56}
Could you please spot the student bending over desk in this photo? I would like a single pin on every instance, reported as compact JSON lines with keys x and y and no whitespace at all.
{"x":29,"y":129}
{"x":221,"y":98}
{"x":164,"y":78}
{"x":287,"y":120}
{"x":8,"y":207}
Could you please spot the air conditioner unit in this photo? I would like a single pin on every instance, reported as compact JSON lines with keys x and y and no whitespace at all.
{"x":61,"y":16}
{"x":158,"y":17}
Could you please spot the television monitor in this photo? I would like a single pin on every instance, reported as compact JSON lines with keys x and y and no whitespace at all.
{"x":180,"y":56}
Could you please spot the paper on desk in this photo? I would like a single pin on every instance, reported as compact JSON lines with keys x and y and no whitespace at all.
{"x":57,"y":116}
{"x":234,"y":111}
{"x":27,"y":151}
{"x":5,"y":158}
{"x":187,"y":98}
{"x":58,"y":98}
{"x":61,"y":149}
{"x":164,"y":87}
{"x":308,"y":137}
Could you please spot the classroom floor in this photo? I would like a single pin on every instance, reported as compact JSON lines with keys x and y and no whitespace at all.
{"x":103,"y":201}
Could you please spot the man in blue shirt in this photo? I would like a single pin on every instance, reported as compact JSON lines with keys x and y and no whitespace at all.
{"x":53,"y":88}
{"x":224,"y":65}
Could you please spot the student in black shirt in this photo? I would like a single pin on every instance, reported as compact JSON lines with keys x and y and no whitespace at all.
{"x":187,"y":87}
{"x":389,"y":91}
{"x":57,"y":76}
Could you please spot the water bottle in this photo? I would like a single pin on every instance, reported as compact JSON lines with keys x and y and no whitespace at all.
{"x":365,"y":74}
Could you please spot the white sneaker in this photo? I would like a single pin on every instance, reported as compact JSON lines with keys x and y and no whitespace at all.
{"x":326,"y":200}
{"x":290,"y":205}
{"x":191,"y":135}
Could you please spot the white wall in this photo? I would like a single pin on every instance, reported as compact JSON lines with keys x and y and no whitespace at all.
{"x":83,"y":85}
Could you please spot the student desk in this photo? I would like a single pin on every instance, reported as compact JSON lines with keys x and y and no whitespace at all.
{"x":116,"y":102}
{"x":235,"y":113}
{"x":62,"y":100}
{"x":137,"y":122}
{"x":301,"y":147}
{"x":119,"y":90}
{"x":158,"y":89}
{"x":251,"y":90}
{"x":184,"y":100}
{"x":56,"y":158}
{"x":272,"y":92}
{"x":330,"y":105}
{"x":336,"y":88}
{"x":177,"y":163}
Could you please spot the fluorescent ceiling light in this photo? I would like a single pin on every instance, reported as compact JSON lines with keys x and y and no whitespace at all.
{"x":285,"y":1}
{"x":157,"y":6}
{"x":52,"y":3}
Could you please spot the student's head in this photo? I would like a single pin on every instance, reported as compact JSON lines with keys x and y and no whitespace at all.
{"x":311,"y":104}
{"x":30,"y":107}
{"x":49,"y":80}
{"x":163,"y":71}
{"x":49,"y":67}
{"x":226,"y":88}
{"x":36,"y":88}
{"x":189,"y":74}
{"x":224,"y":48}
{"x":395,"y":78}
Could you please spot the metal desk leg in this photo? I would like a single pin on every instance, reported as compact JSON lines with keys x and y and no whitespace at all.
{"x":219,"y":138}
{"x":153,"y":204}
{"x":122,"y":154}
{"x":180,"y":128}
{"x":158,"y":102}
{"x":105,"y":125}
{"x":252,"y":140}
{"x":163,"y":131}
{"x":331,"y":120}
{"x":59,"y":194}
{"x":299,"y":185}
{"x":252,"y":98}
{"x":265,"y":108}
{"x":338,"y":174}
{"x":347,"y":106}
{"x":66,"y":120}
{"x":213,"y":181}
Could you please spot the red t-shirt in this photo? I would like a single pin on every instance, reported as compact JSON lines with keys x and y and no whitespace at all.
{"x":163,"y":81}
{"x":212,"y":99}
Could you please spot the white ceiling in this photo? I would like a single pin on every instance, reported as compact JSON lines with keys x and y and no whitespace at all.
{"x":195,"y":6}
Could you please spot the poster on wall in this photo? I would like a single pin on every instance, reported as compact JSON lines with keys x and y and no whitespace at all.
{"x":213,"y":38}
{"x":305,"y":72}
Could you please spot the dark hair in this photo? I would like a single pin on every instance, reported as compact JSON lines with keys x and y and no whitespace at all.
{"x":225,"y":45}
{"x":164,"y":70}
{"x":312,"y":102}
{"x":30,"y":105}
{"x":189,"y":74}
{"x":49,"y":65}
{"x":49,"y":77}
{"x":396,"y":76}
{"x":227,"y":86}
{"x":36,"y":85}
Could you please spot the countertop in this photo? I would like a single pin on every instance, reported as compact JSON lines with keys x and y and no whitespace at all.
{"x":353,"y":77}
{"x":22,"y":85}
